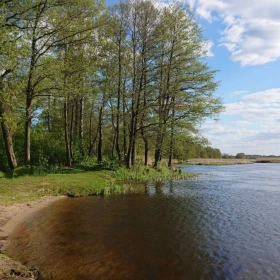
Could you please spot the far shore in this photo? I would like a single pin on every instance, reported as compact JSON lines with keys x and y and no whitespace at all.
{"x":230,"y":161}
{"x":218,"y":161}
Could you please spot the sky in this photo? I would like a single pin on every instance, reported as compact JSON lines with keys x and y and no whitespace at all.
{"x":244,"y":46}
{"x":244,"y":36}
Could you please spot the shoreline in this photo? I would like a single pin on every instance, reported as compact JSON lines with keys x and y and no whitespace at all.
{"x":10,"y":217}
{"x":212,"y":161}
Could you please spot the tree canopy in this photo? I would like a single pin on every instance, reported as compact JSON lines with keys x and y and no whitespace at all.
{"x":80,"y":80}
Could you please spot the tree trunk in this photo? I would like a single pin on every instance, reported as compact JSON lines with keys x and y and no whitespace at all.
{"x":76,"y":122}
{"x":71,"y":137}
{"x":171,"y":147}
{"x":49,"y":115}
{"x":29,"y":92}
{"x":28,"y":118}
{"x":133,"y":151}
{"x":119,"y":99}
{"x":9,"y":146}
{"x":146,"y":153}
{"x":66,"y":133}
{"x":7,"y":134}
{"x":91,"y":141}
{"x":146,"y":146}
{"x":100,"y":139}
{"x":130,"y":144}
{"x":81,"y":127}
{"x":124,"y":132}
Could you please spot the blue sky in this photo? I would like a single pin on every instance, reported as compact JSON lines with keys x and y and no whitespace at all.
{"x":244,"y":45}
{"x":245,"y":40}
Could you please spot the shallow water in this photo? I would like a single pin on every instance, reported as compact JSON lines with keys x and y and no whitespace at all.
{"x":225,"y":224}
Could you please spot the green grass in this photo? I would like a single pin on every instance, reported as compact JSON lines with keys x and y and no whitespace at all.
{"x":26,"y":188}
{"x":149,"y":174}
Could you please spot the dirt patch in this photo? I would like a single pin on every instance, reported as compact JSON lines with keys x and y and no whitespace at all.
{"x":10,"y":269}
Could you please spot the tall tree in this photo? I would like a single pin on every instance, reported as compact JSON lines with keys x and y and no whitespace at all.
{"x":185,"y":83}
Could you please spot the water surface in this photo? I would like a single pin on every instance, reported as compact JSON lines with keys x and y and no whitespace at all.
{"x":225,"y":224}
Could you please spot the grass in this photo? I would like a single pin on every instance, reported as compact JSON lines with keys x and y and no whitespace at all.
{"x":148,"y":174}
{"x":26,"y":188}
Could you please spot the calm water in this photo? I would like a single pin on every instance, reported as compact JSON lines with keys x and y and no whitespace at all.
{"x":223,"y":225}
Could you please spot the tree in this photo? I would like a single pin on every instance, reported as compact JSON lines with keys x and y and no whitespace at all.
{"x":240,"y":156}
{"x":185,"y":84}
{"x":106,"y":84}
{"x":49,"y":26}
{"x":11,"y":53}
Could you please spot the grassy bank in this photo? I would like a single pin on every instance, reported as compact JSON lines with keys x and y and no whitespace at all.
{"x":74,"y":182}
{"x":78,"y":182}
{"x":28,"y":188}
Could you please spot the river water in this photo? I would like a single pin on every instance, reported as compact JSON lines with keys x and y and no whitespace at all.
{"x":225,"y":224}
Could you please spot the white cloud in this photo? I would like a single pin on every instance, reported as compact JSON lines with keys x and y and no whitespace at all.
{"x":267,"y":96}
{"x":253,"y":125}
{"x":259,"y":106}
{"x":251,"y":32}
{"x":206,"y":48}
{"x":237,"y":136}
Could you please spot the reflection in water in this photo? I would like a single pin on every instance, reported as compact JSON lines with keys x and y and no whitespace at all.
{"x":223,"y":226}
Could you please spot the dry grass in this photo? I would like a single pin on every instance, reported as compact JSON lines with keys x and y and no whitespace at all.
{"x":268,"y":159}
{"x":218,"y":161}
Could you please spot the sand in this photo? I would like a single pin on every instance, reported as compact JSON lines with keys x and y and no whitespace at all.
{"x":10,"y":218}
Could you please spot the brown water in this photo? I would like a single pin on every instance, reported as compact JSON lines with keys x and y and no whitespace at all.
{"x":223,"y":225}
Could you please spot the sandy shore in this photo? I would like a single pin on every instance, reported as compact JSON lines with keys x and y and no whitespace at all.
{"x":10,"y":218}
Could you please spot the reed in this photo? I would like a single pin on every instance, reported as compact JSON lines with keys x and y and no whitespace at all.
{"x":148,"y":174}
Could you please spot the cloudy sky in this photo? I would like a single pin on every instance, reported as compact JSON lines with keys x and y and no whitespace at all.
{"x":244,"y":36}
{"x":245,"y":39}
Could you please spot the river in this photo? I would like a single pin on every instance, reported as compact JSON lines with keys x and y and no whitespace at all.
{"x":224,"y":224}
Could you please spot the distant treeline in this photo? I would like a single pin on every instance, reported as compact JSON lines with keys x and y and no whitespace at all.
{"x":192,"y":150}
{"x":244,"y":156}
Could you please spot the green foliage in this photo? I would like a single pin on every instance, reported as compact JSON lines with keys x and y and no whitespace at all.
{"x":47,"y":148}
{"x":76,"y":77}
{"x":109,"y":164}
{"x":240,"y":156}
{"x":148,"y":174}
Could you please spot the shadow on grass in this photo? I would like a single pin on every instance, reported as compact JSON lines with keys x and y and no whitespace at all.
{"x":33,"y":170}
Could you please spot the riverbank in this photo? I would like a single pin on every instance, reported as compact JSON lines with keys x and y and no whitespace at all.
{"x":80,"y":183}
{"x":10,"y":217}
{"x":23,"y":196}
{"x":218,"y":161}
